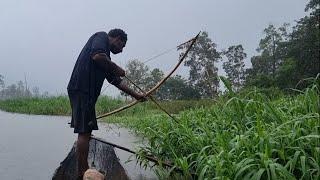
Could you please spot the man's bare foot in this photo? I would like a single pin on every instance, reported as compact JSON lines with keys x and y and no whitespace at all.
{"x":93,"y":174}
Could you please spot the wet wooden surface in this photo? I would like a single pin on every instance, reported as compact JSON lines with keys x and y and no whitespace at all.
{"x":101,"y":155}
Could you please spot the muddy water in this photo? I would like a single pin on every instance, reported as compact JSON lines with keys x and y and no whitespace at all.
{"x":32,"y":146}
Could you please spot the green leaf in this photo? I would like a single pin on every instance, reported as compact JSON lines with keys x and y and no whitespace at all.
{"x":258,"y":175}
{"x":227,"y":83}
{"x":273,"y":171}
{"x":303,"y":164}
{"x":244,"y":169}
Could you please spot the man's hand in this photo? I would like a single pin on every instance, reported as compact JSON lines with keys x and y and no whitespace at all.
{"x":141,"y":97}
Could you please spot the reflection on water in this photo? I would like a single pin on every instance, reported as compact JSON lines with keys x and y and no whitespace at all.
{"x":32,"y":146}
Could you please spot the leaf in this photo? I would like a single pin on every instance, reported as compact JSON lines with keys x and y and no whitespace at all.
{"x":283,"y":170}
{"x":258,"y":175}
{"x":294,"y":160}
{"x":244,"y":169}
{"x":273,"y":171}
{"x":303,"y":164}
{"x":228,"y":84}
{"x":203,"y":172}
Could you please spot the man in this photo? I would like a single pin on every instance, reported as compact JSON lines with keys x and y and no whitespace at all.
{"x":92,"y":67}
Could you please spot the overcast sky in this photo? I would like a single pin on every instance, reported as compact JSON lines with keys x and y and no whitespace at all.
{"x":42,"y":39}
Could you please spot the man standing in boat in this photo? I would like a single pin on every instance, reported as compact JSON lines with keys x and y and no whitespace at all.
{"x":92,"y":67}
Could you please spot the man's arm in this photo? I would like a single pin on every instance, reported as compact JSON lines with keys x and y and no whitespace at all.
{"x":106,"y":64}
{"x":123,"y":87}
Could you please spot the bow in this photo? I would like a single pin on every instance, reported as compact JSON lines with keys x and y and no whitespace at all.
{"x":152,"y":99}
{"x":193,"y":40}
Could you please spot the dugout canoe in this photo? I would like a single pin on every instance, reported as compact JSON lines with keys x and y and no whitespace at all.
{"x":101,"y":155}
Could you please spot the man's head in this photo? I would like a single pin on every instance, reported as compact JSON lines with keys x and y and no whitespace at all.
{"x":117,"y":40}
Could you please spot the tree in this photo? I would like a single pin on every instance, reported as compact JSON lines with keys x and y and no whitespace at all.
{"x":201,"y":59}
{"x":153,"y":78}
{"x":234,"y":67}
{"x":305,"y":43}
{"x":258,"y":74}
{"x":1,"y":82}
{"x":137,"y":72}
{"x":273,"y":49}
{"x":20,"y":89}
{"x":314,"y":6}
{"x":177,"y":88}
{"x":286,"y":74}
{"x":11,"y":91}
{"x":271,"y":46}
{"x":14,"y":90}
{"x":35,"y":91}
{"x":287,"y":58}
{"x":45,"y":94}
{"x":302,"y":50}
{"x":2,"y":85}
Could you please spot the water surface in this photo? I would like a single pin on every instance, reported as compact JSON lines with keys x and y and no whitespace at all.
{"x":32,"y":146}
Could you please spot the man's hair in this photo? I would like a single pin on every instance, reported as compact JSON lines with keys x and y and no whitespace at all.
{"x":118,"y":32}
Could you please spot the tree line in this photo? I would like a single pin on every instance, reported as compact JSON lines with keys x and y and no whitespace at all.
{"x":285,"y":56}
{"x":18,"y":90}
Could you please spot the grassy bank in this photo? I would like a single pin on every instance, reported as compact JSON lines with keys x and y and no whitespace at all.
{"x":241,"y":137}
{"x":61,"y":106}
{"x":46,"y":106}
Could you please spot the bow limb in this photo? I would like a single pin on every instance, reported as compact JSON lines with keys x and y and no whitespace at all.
{"x":193,"y":40}
{"x":152,"y":99}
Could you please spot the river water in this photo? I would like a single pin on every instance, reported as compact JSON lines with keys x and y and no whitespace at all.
{"x":32,"y":146}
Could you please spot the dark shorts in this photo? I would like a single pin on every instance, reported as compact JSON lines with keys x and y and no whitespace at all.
{"x":83,"y":112}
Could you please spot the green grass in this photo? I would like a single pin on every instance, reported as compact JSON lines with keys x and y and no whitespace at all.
{"x":46,"y":106}
{"x":241,"y":137}
{"x":61,"y":106}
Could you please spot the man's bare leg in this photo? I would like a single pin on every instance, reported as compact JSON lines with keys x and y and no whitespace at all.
{"x":82,"y":152}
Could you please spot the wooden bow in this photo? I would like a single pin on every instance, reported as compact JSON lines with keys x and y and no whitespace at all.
{"x":193,"y":40}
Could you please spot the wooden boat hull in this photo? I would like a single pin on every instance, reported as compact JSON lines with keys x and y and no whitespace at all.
{"x":102,"y":156}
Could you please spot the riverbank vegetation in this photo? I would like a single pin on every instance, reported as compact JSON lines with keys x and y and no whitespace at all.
{"x":247,"y":136}
{"x":60,"y":105}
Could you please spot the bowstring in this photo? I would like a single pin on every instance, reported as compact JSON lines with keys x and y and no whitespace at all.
{"x":146,"y":61}
{"x":158,"y":55}
{"x":154,"y":57}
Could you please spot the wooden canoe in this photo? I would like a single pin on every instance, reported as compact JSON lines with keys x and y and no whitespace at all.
{"x":101,"y":155}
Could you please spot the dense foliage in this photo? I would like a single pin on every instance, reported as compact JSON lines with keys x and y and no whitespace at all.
{"x":240,"y":137}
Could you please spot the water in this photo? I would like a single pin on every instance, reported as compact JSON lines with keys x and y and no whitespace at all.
{"x":32,"y":146}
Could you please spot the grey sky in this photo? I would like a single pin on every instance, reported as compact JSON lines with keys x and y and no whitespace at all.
{"x":42,"y":39}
